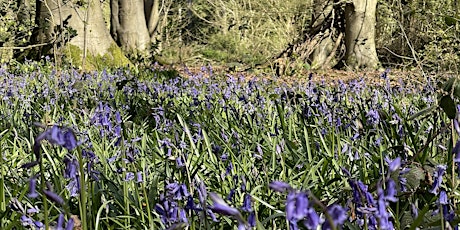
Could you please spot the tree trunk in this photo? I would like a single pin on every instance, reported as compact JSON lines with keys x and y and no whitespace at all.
{"x":133,"y":24}
{"x":62,"y":23}
{"x":152,"y":13}
{"x":323,"y":34}
{"x":360,"y":16}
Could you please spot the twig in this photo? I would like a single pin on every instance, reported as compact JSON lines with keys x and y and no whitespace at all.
{"x":397,"y":55}
{"x":24,"y":47}
{"x":414,"y":54}
{"x":334,"y":50}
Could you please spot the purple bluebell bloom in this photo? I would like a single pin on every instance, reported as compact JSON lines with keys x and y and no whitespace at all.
{"x":64,"y":137}
{"x":414,"y":210}
{"x":139,"y":177}
{"x":70,"y":171}
{"x":32,"y":188}
{"x":70,"y":224}
{"x":338,"y":215}
{"x":443,"y":200}
{"x":252,"y":219}
{"x":38,"y":224}
{"x":391,"y":191}
{"x":60,"y":222}
{"x":26,"y":221}
{"x":394,"y":165}
{"x":373,"y":117}
{"x":74,"y":187}
{"x":383,"y":215}
{"x":129,"y":176}
{"x":456,"y":152}
{"x":247,"y":203}
{"x":219,"y":206}
{"x":53,"y":197}
{"x":438,"y":174}
{"x":280,"y":186}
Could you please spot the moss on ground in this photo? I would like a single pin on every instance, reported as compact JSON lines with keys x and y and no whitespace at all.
{"x":114,"y":58}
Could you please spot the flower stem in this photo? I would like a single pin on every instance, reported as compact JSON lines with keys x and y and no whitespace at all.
{"x":45,"y":200}
{"x":82,"y":202}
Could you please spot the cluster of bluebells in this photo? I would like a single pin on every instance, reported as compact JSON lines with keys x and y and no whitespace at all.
{"x":102,"y":119}
{"x":369,"y":211}
{"x":300,"y":209}
{"x":64,"y":137}
{"x":172,"y":214}
{"x":445,"y":207}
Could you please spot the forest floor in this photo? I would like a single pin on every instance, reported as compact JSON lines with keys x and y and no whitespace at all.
{"x":330,"y":77}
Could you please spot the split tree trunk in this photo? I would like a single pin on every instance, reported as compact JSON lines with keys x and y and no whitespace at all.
{"x":360,"y":17}
{"x":134,"y":23}
{"x":323,"y":34}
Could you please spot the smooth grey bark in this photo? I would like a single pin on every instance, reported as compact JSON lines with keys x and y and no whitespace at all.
{"x":133,"y":24}
{"x":360,"y":18}
{"x":63,"y":22}
{"x":152,"y":12}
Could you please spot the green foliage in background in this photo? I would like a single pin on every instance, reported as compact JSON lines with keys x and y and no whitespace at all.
{"x":410,"y":34}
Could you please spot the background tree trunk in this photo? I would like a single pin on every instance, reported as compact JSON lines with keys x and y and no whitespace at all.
{"x":323,"y":33}
{"x":360,"y":16}
{"x":133,"y":24}
{"x":152,"y":13}
{"x":64,"y":23}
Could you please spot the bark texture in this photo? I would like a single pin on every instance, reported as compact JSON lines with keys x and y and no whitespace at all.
{"x":133,"y":24}
{"x":323,"y":34}
{"x":360,"y":17}
{"x":63,"y":22}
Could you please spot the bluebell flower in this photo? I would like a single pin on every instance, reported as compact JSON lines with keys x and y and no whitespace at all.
{"x":179,"y":162}
{"x":312,"y":219}
{"x":33,"y":210}
{"x":231,"y":195}
{"x":252,"y":219}
{"x":177,"y":191}
{"x":38,"y":224}
{"x":394,"y":164}
{"x":60,"y":222}
{"x":74,"y":187}
{"x":443,"y":200}
{"x":338,"y":215}
{"x":64,"y":137}
{"x":219,"y":206}
{"x":32,"y":188}
{"x":139,"y":177}
{"x":456,"y":152}
{"x":70,"y":224}
{"x":71,"y":166}
{"x":391,"y":191}
{"x":414,"y":210}
{"x":26,"y":221}
{"x":456,"y":125}
{"x":438,"y":174}
{"x":54,"y":197}
{"x":129,"y":176}
{"x":280,"y":186}
{"x":202,"y":193}
{"x":373,"y":117}
{"x":247,"y":203}
{"x":168,"y":211}
{"x":383,"y":215}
